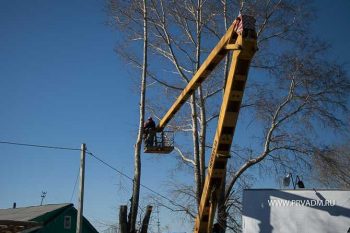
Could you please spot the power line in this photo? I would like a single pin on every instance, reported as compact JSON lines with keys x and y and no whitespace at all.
{"x":128,"y":177}
{"x":100,"y":160}
{"x":47,"y":147}
{"x":40,"y":146}
{"x":110,"y":166}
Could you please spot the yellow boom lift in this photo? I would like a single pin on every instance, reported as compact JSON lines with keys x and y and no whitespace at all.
{"x":240,"y":38}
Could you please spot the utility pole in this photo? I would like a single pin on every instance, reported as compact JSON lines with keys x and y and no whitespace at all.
{"x":81,"y":189}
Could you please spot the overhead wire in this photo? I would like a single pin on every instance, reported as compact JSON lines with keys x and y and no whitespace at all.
{"x":142,"y":185}
{"x":40,"y":146}
{"x":108,"y":165}
{"x":48,"y":147}
{"x":101,"y":161}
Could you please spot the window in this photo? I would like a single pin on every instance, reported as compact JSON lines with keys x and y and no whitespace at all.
{"x":67,"y":222}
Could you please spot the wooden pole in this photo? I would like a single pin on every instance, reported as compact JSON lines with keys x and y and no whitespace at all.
{"x":81,"y":189}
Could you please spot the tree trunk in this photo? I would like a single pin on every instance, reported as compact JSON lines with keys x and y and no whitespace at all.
{"x":137,"y":158}
{"x":123,"y":224}
{"x":197,"y":174}
{"x":222,"y":213}
{"x":203,"y":125}
{"x":202,"y":136}
{"x":146,"y":218}
{"x":228,"y":57}
{"x":197,"y":160}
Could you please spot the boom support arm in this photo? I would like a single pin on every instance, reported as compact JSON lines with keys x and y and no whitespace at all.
{"x":216,"y":55}
{"x":230,"y":107}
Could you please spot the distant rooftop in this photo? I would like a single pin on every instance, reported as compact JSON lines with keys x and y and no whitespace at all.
{"x":29,"y":213}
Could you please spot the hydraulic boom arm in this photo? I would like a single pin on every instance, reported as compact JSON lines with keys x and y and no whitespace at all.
{"x":216,"y":55}
{"x":241,"y":39}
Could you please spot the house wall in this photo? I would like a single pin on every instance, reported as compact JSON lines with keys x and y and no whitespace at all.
{"x":57,"y":224}
{"x":290,"y":211}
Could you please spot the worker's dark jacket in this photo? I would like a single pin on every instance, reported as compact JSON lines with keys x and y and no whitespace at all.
{"x":149,"y":125}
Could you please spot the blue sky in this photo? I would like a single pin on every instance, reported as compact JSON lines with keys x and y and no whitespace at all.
{"x":62,"y":84}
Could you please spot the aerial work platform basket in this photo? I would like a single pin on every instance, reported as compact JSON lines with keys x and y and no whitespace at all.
{"x":159,"y":142}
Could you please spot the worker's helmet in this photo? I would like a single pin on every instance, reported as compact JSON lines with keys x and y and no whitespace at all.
{"x":149,"y":118}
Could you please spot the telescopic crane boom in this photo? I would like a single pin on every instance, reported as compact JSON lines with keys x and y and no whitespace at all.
{"x":241,"y":39}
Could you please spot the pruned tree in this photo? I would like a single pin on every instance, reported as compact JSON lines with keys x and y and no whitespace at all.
{"x":141,"y":7}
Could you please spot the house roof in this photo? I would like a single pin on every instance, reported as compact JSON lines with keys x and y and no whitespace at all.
{"x":29,"y":213}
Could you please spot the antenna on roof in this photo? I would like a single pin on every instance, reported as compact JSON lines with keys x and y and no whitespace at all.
{"x":43,"y":195}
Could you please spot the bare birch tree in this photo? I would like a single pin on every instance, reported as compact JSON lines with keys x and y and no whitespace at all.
{"x":297,"y":89}
{"x":141,"y":7}
{"x":137,"y":167}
